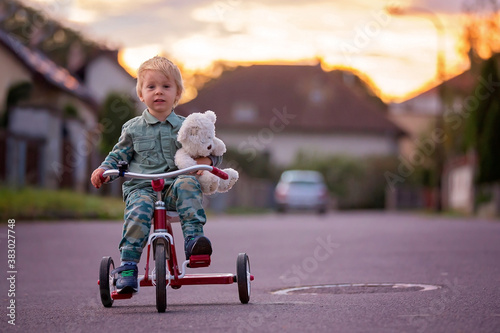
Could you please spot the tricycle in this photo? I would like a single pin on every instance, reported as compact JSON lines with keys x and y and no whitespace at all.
{"x":167,"y":270}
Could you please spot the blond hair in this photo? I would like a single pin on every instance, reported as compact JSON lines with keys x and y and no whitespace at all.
{"x":162,"y":64}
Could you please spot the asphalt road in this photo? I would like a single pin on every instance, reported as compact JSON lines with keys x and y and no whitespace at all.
{"x":374,"y":262}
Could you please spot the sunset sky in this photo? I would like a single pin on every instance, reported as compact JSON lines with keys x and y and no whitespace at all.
{"x":398,"y":53}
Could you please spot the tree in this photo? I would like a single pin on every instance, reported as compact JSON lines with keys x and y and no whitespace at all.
{"x":483,"y":126}
{"x":482,"y":31}
{"x":116,"y":110}
{"x":35,"y":29}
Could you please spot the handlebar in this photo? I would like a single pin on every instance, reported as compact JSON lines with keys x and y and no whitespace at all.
{"x":154,"y":176}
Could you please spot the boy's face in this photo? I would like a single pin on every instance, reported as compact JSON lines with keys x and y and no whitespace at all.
{"x":158,"y":92}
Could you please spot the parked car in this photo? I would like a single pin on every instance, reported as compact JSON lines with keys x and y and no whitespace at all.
{"x":301,"y":189}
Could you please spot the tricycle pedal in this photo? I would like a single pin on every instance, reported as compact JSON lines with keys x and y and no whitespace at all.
{"x":200,"y":260}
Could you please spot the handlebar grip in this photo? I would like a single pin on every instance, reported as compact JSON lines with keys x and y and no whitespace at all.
{"x":103,"y":179}
{"x":219,"y":173}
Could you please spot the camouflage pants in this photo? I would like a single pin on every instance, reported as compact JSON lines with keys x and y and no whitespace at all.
{"x":184,"y":195}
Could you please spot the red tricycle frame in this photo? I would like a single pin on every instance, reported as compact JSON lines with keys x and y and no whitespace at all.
{"x":167,"y":271}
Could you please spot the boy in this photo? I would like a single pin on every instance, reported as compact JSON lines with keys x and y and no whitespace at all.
{"x":148,"y":143}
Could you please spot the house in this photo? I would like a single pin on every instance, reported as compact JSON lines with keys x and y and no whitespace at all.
{"x":443,"y":107}
{"x":418,"y":116}
{"x":49,"y":120}
{"x":52,"y":100}
{"x":102,"y":74}
{"x":282,"y":110}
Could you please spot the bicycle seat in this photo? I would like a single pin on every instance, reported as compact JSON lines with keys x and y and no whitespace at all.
{"x":173,"y":215}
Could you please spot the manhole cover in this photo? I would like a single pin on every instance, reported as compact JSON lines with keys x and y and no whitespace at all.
{"x":356,"y":288}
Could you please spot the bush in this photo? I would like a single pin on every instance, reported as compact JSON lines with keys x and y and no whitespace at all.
{"x":354,"y":182}
{"x":256,"y":167}
{"x":31,"y":203}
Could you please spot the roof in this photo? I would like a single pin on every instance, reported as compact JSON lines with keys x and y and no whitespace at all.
{"x":463,"y":84}
{"x":429,"y":101}
{"x":313,"y":99}
{"x":39,"y":63}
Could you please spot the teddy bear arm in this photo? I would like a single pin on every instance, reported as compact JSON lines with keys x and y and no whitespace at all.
{"x":183,"y":160}
{"x":219,"y":147}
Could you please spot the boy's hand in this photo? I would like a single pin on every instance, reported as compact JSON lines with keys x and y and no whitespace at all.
{"x":202,"y":160}
{"x":96,"y":177}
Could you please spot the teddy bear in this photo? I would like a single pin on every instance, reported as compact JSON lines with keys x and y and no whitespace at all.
{"x":197,"y":137}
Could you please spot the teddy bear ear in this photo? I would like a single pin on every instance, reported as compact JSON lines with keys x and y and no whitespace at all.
{"x":211,"y":116}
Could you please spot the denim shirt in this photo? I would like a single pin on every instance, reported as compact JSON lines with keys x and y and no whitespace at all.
{"x":149,"y":146}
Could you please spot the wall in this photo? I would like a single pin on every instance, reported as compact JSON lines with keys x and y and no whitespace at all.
{"x":416,"y":125}
{"x":284,"y":147}
{"x":104,"y":76}
{"x":41,"y":124}
{"x":461,"y":188}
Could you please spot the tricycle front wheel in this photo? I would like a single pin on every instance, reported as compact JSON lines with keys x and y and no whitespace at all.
{"x":161,"y":277}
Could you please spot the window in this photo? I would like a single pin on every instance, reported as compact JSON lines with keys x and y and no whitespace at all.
{"x":244,"y":112}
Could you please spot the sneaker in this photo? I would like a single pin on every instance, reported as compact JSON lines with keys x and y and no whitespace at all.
{"x":197,"y":245}
{"x":127,"y":281}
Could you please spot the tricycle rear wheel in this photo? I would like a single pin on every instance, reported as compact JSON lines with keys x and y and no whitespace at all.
{"x":243,"y":277}
{"x":106,"y":281}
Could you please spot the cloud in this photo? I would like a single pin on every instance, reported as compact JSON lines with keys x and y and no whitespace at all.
{"x":357,"y":33}
{"x":107,"y":8}
{"x":135,"y":24}
{"x":443,"y":7}
{"x":82,"y":16}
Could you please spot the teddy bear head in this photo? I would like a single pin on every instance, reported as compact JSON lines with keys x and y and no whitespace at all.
{"x":197,"y":134}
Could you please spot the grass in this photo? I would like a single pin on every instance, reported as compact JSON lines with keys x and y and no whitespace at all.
{"x":42,"y":204}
